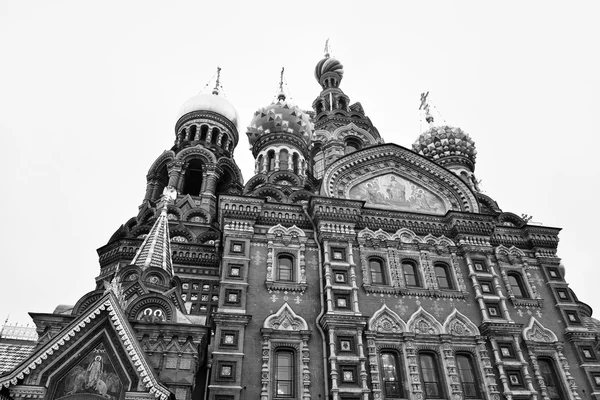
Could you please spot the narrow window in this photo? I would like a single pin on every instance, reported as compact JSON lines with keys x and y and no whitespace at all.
{"x":442,"y":276}
{"x":215,"y":136}
{"x":203,"y":132}
{"x":466,"y":373}
{"x":377,"y":272}
{"x":270,"y":160}
{"x":410,"y":274}
{"x":390,"y":375}
{"x":516,"y":285}
{"x":192,"y":132}
{"x":285,"y":269}
{"x":283,"y":160}
{"x":284,"y":373}
{"x":551,"y":381}
{"x":295,"y":162}
{"x":430,"y":376}
{"x":193,"y":178}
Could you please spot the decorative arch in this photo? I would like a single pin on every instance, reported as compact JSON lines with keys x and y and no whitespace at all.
{"x":191,"y":214}
{"x":162,"y":161}
{"x":536,"y":332}
{"x":405,"y":235}
{"x":285,"y":175}
{"x":181,"y":230}
{"x":512,"y":251}
{"x":87,"y":300}
{"x":285,"y":320}
{"x":198,"y":151}
{"x":423,"y":323}
{"x":353,"y":130}
{"x":236,"y":173}
{"x":280,"y":230}
{"x":386,"y":321}
{"x":271,"y":191}
{"x":151,"y":301}
{"x":457,"y":324}
{"x":206,"y":236}
{"x":415,"y":183}
{"x":299,"y":196}
{"x":510,"y":219}
{"x":380,"y":234}
{"x":254,"y":182}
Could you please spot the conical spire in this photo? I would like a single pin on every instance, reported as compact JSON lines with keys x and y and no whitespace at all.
{"x":155,"y":251}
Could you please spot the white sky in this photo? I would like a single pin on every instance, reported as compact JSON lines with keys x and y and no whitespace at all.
{"x":89,"y":95}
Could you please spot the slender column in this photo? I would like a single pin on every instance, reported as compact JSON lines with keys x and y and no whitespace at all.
{"x":276,"y":161}
{"x":175,"y":170}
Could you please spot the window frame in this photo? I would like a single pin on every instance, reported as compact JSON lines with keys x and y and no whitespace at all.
{"x":436,"y":371}
{"x":415,"y":274}
{"x":382,"y":273}
{"x":553,"y":371}
{"x":479,"y":262}
{"x":519,"y":283}
{"x":398,"y":375}
{"x":338,"y":250}
{"x":448,"y":276}
{"x":339,"y":295}
{"x":473,"y":370}
{"x":348,"y":368}
{"x":293,"y":374}
{"x":292,"y":269}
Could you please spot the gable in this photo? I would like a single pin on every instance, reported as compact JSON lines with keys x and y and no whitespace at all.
{"x":392,"y":177}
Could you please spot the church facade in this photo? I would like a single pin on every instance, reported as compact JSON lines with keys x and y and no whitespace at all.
{"x":344,"y":268}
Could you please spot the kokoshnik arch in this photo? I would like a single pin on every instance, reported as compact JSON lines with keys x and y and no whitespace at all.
{"x":344,"y":268}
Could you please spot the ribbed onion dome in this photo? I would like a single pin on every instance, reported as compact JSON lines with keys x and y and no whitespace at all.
{"x":281,"y":116}
{"x":210,"y":102}
{"x":326,"y":65}
{"x":439,"y":143}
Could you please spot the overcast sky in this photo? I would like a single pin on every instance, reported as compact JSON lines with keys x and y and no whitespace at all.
{"x":90,"y":91}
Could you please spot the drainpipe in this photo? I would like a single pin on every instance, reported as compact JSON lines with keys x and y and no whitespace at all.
{"x":322,"y":296}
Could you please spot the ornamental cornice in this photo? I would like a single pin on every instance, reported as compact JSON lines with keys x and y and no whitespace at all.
{"x":209,"y":116}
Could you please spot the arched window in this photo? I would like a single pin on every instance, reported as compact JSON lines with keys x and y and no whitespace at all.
{"x":283,"y":160}
{"x":442,"y":275}
{"x":224,"y":142}
{"x":467,"y":375}
{"x":295,"y":162}
{"x":352,"y":145}
{"x":390,"y":375}
{"x":260,"y":163}
{"x":192,"y":132}
{"x":411,"y":276}
{"x":285,"y":268}
{"x":516,"y":284}
{"x":285,"y":381}
{"x":215,"y":135}
{"x":192,"y":183}
{"x":548,"y":372}
{"x":270,"y":160}
{"x":377,"y":271}
{"x":203,"y":132}
{"x":430,"y":376}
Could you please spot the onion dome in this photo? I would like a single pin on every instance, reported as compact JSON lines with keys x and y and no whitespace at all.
{"x":446,"y":145}
{"x":329,"y":68}
{"x":281,"y":116}
{"x":210,"y":102}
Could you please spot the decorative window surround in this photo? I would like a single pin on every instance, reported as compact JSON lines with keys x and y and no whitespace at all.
{"x":285,"y":329}
{"x":292,"y":241}
{"x":540,"y":342}
{"x":513,"y":259}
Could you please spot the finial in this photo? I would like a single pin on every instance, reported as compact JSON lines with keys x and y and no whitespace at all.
{"x":281,"y":95}
{"x":327,"y":49}
{"x":218,"y":82}
{"x":425,"y":106}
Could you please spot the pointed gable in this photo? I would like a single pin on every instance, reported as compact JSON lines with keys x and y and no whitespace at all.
{"x":102,"y":326}
{"x":285,"y":320}
{"x":386,"y":321}
{"x":536,"y":332}
{"x":423,"y":323}
{"x":457,"y":324}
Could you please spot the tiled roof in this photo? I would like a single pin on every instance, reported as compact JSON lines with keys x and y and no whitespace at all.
{"x":13,"y":352}
{"x":156,"y":248}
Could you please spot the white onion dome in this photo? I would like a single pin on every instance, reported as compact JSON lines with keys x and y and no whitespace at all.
{"x":210,"y":102}
{"x":445,"y":145}
{"x":281,"y":116}
{"x":329,"y":67}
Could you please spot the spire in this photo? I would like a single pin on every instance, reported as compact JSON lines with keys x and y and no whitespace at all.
{"x":327,"y":48}
{"x":155,"y":251}
{"x":218,"y":82}
{"x":281,"y":94}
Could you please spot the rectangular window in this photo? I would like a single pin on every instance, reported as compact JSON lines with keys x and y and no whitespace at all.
{"x":235,"y":271}
{"x":479,"y":265}
{"x":515,"y":379}
{"x":340,"y":277}
{"x":572,"y":317}
{"x":232,"y":297}
{"x":236,"y":247}
{"x":377,"y":271}
{"x":342,"y":301}
{"x":554,"y":273}
{"x":588,"y":354}
{"x":563,"y":294}
{"x":349,"y":374}
{"x":229,"y":338}
{"x":284,"y":373}
{"x":486,"y":287}
{"x":346,"y":344}
{"x":338,"y":254}
{"x":226,"y":370}
{"x":506,"y":350}
{"x":430,"y":376}
{"x":493,"y":310}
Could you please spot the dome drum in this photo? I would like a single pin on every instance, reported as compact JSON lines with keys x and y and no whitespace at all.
{"x":209,"y":118}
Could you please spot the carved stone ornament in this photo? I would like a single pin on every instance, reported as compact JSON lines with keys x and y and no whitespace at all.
{"x":285,"y":320}
{"x":423,"y":323}
{"x":386,"y":321}
{"x":536,"y":332}
{"x":457,"y":324}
